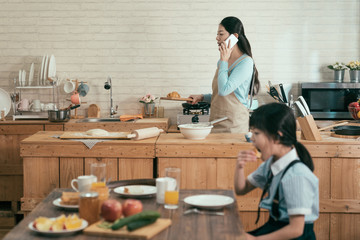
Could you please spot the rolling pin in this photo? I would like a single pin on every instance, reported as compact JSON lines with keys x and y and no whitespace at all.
{"x":145,"y":133}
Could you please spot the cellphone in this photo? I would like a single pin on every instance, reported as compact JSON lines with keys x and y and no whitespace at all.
{"x":233,"y":41}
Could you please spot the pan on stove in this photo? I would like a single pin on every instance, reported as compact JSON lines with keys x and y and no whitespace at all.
{"x":347,"y":130}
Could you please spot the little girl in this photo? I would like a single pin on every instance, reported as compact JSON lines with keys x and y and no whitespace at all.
{"x":285,"y":176}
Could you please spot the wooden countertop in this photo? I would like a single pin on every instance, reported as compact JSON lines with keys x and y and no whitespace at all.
{"x":44,"y":144}
{"x":28,"y":122}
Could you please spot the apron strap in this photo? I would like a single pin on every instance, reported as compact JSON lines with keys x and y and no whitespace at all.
{"x":237,"y":62}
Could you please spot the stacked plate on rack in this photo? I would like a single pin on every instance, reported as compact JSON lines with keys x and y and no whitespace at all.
{"x":47,"y":69}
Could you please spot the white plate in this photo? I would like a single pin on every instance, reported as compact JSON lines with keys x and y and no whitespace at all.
{"x":209,"y":201}
{"x":59,"y":233}
{"x":39,"y":77}
{"x":46,"y":66}
{"x":57,"y":202}
{"x":20,"y":77}
{"x":52,"y":67}
{"x":146,"y":191}
{"x":31,"y":74}
{"x":5,"y":101}
{"x":42,"y":71}
{"x":23,"y":78}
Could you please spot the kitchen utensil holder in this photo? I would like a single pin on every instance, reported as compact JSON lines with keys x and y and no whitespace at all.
{"x":309,"y":130}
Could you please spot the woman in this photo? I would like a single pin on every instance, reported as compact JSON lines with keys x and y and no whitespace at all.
{"x":235,"y":77}
{"x":286,"y":176}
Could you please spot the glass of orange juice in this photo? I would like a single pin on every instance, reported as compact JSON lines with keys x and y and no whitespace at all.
{"x":172,"y":176}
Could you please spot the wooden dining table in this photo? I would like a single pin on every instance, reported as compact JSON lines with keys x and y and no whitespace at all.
{"x":189,"y":226}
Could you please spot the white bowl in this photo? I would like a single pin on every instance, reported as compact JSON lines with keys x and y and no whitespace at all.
{"x":195,"y":131}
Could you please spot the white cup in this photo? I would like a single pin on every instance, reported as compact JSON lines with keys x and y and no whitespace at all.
{"x":83,"y":182}
{"x":69,"y":86}
{"x":161,"y":184}
{"x":50,"y":106}
{"x":35,"y":106}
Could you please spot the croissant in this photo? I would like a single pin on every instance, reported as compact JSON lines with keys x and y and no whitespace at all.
{"x":173,"y":95}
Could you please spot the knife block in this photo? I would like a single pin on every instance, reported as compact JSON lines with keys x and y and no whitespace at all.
{"x":309,"y":130}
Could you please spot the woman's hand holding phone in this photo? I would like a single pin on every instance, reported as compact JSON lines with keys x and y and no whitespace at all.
{"x":226,"y":47}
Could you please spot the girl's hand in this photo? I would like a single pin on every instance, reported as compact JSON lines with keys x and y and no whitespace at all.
{"x":250,"y":237}
{"x":225,"y":51}
{"x":244,"y":157}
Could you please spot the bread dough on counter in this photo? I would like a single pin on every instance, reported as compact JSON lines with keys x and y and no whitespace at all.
{"x":97,"y":132}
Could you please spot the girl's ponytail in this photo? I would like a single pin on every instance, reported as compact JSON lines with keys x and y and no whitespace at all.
{"x":304,"y":155}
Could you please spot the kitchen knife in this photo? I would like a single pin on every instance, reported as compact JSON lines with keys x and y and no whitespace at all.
{"x":283,"y":93}
{"x":301,"y":108}
{"x":303,"y":102}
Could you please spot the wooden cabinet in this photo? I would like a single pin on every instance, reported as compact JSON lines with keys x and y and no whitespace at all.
{"x":11,"y":164}
{"x":210,"y":164}
{"x":51,"y":163}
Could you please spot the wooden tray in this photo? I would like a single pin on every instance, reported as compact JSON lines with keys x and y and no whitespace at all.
{"x":344,"y":136}
{"x":177,"y":99}
{"x":146,"y":232}
{"x":82,"y":135}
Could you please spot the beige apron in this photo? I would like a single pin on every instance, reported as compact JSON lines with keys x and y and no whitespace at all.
{"x":228,"y":106}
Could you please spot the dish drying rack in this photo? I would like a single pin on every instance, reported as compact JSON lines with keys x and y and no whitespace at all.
{"x":16,"y":97}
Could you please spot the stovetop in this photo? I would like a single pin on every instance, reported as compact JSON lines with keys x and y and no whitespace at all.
{"x":201,"y":108}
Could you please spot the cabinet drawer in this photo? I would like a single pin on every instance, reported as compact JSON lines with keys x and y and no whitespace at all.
{"x":26,"y":129}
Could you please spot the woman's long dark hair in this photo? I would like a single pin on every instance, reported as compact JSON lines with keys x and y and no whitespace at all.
{"x":234,"y":25}
{"x":273,"y":118}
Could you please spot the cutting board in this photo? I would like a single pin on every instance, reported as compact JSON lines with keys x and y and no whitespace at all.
{"x":93,"y":111}
{"x":82,"y":135}
{"x":177,"y":99}
{"x":146,"y":232}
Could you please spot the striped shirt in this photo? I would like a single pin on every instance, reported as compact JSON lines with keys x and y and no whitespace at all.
{"x":298,"y":189}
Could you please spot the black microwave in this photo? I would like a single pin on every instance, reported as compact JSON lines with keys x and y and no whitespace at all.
{"x":330,"y":100}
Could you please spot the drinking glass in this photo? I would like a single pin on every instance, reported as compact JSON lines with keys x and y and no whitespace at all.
{"x":99,"y":170}
{"x":172,"y":176}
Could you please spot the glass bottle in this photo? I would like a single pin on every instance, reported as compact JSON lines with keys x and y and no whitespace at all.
{"x":89,"y":207}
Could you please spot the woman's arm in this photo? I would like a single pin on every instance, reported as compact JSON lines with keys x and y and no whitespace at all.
{"x":294,"y":230}
{"x":242,"y":185}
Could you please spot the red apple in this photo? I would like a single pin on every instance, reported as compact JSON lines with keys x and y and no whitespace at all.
{"x":131,"y":207}
{"x":111,"y":210}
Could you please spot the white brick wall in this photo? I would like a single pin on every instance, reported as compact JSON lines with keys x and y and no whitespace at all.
{"x":159,"y":46}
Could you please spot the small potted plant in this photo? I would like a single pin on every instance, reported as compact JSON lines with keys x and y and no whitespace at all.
{"x":339,"y":71}
{"x":149,"y":103}
{"x":354,"y":67}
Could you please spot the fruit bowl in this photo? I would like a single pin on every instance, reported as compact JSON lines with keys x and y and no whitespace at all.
{"x":354,"y":112}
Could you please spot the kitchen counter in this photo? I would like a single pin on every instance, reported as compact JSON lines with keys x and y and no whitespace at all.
{"x":50,"y":162}
{"x":74,"y":125}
